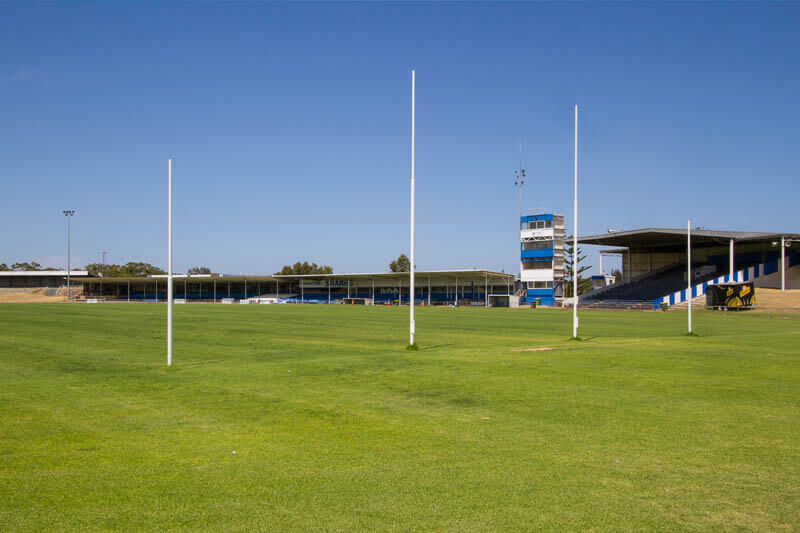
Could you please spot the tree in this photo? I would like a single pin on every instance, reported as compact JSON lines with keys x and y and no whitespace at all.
{"x":198,"y":270}
{"x":305,"y":268}
{"x":617,"y":273}
{"x":401,"y":264}
{"x":4,"y":267}
{"x":33,"y":266}
{"x":128,"y":270}
{"x":107,"y":271}
{"x":584,"y":284}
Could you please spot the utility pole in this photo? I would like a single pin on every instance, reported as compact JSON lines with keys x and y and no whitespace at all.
{"x":519,"y":181}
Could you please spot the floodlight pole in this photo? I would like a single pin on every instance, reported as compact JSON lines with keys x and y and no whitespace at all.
{"x":689,"y":270}
{"x":411,"y":270}
{"x":68,"y":213}
{"x":169,"y":269}
{"x":575,"y":239}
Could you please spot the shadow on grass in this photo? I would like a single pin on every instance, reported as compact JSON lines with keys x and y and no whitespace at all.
{"x":438,"y":346}
{"x":200,"y":363}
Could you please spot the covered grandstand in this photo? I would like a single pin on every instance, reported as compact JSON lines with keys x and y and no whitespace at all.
{"x":654,"y":265}
{"x":436,"y":287}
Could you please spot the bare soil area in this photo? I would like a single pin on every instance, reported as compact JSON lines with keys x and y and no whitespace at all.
{"x":28,"y":296}
{"x":768,"y":300}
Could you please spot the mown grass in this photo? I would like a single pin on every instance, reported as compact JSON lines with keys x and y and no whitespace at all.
{"x":336,"y":426}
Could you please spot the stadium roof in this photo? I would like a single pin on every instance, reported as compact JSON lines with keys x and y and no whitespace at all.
{"x":667,"y":237}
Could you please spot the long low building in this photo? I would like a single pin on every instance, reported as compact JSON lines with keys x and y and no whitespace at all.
{"x":431,"y":287}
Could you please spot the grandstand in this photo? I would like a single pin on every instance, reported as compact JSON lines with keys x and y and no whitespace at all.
{"x":654,"y":264}
{"x":435,"y":287}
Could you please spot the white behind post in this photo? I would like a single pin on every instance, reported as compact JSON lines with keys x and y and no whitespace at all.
{"x":169,"y":271}
{"x":689,"y":270}
{"x":575,"y":239}
{"x":411,"y":271}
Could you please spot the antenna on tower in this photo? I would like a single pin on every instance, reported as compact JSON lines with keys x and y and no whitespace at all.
{"x":519,"y":178}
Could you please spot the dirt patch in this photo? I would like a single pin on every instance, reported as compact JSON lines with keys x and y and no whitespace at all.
{"x":28,"y":296}
{"x":775,"y":299}
{"x":539,"y":349}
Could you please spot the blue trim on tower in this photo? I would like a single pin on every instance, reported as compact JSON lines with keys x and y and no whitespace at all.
{"x":534,"y":218}
{"x":544,"y":253}
{"x":540,"y":292}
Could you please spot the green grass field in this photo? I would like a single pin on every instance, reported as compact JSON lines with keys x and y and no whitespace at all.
{"x":336,"y":426}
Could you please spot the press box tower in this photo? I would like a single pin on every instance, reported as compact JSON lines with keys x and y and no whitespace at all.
{"x":541,"y":238}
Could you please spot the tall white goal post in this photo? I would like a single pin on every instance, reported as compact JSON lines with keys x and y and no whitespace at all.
{"x":169,"y":265}
{"x":411,"y":325}
{"x":575,"y":238}
{"x":689,"y":270}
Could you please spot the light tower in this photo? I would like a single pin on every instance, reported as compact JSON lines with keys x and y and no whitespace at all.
{"x":68,"y":213}
{"x":519,"y":181}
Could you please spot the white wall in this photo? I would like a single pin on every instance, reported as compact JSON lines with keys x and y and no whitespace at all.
{"x":543,"y":274}
{"x":536,"y":233}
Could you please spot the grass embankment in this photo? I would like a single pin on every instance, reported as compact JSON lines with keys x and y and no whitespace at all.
{"x":336,"y":426}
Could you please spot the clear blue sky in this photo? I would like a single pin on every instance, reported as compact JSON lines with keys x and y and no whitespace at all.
{"x":289,"y":125}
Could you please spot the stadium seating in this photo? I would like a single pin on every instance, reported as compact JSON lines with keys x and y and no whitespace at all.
{"x":651,"y":286}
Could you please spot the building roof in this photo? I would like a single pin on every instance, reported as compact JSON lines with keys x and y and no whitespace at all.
{"x":433,"y":275}
{"x":668,"y":237}
{"x":44,"y":273}
{"x":437,"y":274}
